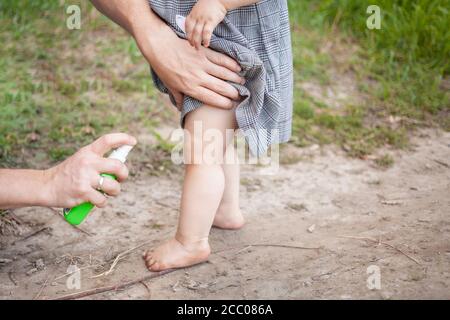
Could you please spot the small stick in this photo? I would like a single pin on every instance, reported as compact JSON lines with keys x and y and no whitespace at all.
{"x":442,"y":163}
{"x":283,"y":246}
{"x":162,"y":204}
{"x":73,"y":226}
{"x":94,"y":291}
{"x":42,"y":288}
{"x":147,"y":287}
{"x":268,"y":245}
{"x":11,"y":277}
{"x":32,"y":234}
{"x":90,"y":292}
{"x":117,"y":259}
{"x":15,"y":217}
{"x":386,"y":244}
{"x":243,"y":249}
{"x":69,"y":273}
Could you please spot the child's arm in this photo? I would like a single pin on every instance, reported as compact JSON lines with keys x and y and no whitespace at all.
{"x":206,"y":15}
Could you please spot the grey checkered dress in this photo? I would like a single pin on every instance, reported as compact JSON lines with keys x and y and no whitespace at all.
{"x":258,"y":38}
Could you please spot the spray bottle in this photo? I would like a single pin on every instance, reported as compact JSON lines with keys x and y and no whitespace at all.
{"x":77,"y":214}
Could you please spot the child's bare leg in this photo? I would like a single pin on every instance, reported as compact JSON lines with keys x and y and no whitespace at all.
{"x":202,"y":190}
{"x":228,"y":215}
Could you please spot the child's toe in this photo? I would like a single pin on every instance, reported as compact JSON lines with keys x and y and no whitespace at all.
{"x":149,"y":260}
{"x":155,"y":266}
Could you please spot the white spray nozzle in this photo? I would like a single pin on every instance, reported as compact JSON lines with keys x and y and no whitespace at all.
{"x":121,"y":153}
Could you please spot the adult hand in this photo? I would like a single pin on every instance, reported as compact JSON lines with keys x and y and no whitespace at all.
{"x":199,"y":73}
{"x":76,"y":179}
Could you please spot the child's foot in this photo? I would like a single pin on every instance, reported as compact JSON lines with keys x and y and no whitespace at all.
{"x":228,"y":218}
{"x":174,"y":254}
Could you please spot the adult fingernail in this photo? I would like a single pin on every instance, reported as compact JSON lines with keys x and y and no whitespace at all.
{"x":243,"y":81}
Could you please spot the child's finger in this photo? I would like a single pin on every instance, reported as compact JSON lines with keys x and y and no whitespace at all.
{"x":207,"y":33}
{"x":189,"y":27}
{"x":190,"y":36}
{"x":197,"y":35}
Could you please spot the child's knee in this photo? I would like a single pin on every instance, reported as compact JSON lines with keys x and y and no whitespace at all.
{"x":208,"y":133}
{"x":204,"y":147}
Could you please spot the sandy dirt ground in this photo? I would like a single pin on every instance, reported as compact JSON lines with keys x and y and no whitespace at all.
{"x":325,"y":201}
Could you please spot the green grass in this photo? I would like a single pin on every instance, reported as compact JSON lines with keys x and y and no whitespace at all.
{"x":61,"y":88}
{"x":384,"y":161}
{"x":409,"y":55}
{"x":399,"y":69}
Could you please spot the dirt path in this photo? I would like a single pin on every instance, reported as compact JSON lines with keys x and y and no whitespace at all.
{"x":406,"y":206}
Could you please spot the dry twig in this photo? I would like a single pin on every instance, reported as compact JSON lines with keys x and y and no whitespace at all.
{"x":384,"y":243}
{"x":42,"y":289}
{"x":73,"y":226}
{"x":118,"y":258}
{"x":442,"y":163}
{"x":79,"y":269}
{"x":241,"y":248}
{"x":141,"y":280}
{"x":31,"y":234}
{"x":91,"y":292}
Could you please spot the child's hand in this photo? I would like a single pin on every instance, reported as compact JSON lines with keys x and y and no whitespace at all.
{"x":202,"y":20}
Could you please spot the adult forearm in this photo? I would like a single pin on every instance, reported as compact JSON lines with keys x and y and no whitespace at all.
{"x":137,"y":18}
{"x":132,"y":15}
{"x":201,"y":74}
{"x":20,"y":188}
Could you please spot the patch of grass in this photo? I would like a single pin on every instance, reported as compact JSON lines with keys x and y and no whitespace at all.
{"x":384,"y":161}
{"x":400,"y":70}
{"x":348,"y":129}
{"x":66,"y":87}
{"x":157,"y":226}
{"x":60,"y":88}
{"x":408,"y":56}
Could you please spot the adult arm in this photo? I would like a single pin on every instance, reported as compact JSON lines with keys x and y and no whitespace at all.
{"x":201,"y":74}
{"x":71,"y":182}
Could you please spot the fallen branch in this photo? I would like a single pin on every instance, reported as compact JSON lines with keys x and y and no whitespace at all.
{"x":91,"y":292}
{"x":383,"y":243}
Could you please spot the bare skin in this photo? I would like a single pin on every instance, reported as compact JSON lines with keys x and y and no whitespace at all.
{"x":229,"y":215}
{"x":201,"y":74}
{"x":69,"y":183}
{"x":210,"y":193}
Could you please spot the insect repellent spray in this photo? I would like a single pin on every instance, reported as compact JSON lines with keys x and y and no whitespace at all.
{"x":77,"y":214}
